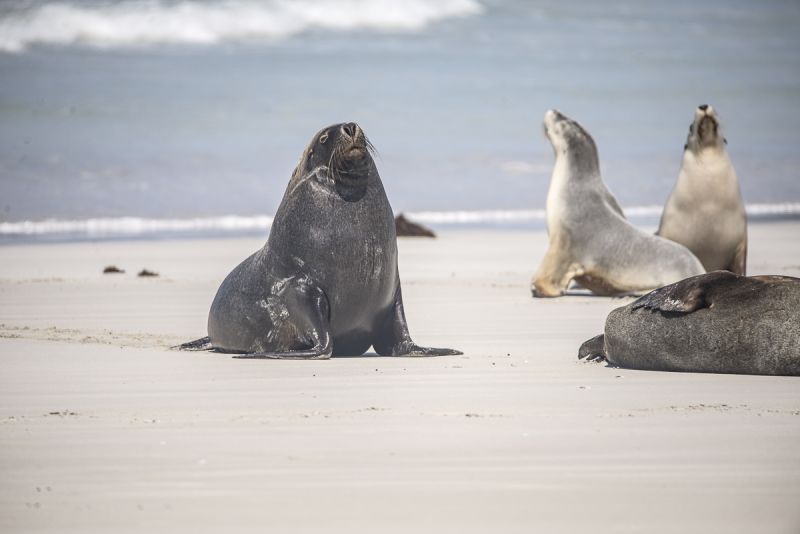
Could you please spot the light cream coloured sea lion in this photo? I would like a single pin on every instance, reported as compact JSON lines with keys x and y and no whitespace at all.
{"x":590,"y":239}
{"x":705,"y":212}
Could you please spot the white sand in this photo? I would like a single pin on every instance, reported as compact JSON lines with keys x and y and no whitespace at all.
{"x":514,"y":436}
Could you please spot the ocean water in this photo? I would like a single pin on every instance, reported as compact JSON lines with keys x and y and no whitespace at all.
{"x":169,"y":117}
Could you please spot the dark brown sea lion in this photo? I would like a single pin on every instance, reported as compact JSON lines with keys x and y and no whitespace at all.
{"x":326,"y":282}
{"x":718,"y":322}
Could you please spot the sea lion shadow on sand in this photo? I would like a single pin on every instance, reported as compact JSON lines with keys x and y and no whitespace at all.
{"x":576,"y":290}
{"x":204,"y":345}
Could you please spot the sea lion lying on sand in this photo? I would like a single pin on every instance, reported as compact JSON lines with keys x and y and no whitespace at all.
{"x":718,"y":322}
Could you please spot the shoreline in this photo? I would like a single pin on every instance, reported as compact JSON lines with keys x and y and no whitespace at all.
{"x":209,"y":227}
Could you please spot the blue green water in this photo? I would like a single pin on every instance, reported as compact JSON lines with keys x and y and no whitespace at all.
{"x":149,"y":123}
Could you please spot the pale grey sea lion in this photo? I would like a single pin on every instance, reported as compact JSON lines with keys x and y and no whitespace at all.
{"x":705,"y":212}
{"x":718,"y":322}
{"x":326,"y":282}
{"x":591,"y":242}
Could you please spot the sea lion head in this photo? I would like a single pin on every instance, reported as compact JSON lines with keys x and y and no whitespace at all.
{"x":705,"y":131}
{"x":344,"y":152}
{"x":569,"y":138}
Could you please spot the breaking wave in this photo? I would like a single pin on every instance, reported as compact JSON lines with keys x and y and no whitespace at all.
{"x":238,"y":224}
{"x":134,"y":226}
{"x":136,"y":23}
{"x":754,"y":211}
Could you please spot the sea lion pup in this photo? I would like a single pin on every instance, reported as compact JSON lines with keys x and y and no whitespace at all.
{"x":326,"y":282}
{"x":590,"y":239}
{"x":705,"y":212}
{"x":718,"y":322}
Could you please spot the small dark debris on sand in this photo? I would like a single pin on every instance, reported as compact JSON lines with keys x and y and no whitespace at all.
{"x":113,"y":269}
{"x":406,"y":228}
{"x":145,"y":272}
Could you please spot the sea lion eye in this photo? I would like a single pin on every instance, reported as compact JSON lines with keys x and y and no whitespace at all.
{"x":323,"y":138}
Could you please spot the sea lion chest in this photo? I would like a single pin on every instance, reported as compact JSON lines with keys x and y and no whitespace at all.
{"x":347,"y":248}
{"x":705,"y":211}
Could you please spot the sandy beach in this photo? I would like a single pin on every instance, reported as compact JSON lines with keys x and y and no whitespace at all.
{"x":104,"y":429}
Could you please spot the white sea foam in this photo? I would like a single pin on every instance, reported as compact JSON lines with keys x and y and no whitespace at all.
{"x":136,"y":226}
{"x":477,"y":217}
{"x":133,"y":226}
{"x":133,"y":23}
{"x":756,"y":211}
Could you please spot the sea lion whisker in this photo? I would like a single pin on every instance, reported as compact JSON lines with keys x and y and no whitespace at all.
{"x":334,"y":164}
{"x":370,"y":147}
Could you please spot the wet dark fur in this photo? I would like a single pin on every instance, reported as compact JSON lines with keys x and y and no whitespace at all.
{"x":326,"y":282}
{"x":718,"y":322}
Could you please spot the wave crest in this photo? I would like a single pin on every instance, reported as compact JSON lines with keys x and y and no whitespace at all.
{"x":136,"y":23}
{"x":132,"y":226}
{"x":135,"y":226}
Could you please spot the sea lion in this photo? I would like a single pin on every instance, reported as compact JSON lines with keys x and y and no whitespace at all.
{"x":705,"y":212}
{"x":590,"y":239}
{"x":718,"y":322}
{"x":326,"y":282}
{"x":406,"y":228}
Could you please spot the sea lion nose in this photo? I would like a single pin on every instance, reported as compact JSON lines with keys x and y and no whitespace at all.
{"x":350,"y":129}
{"x":552,"y":115}
{"x":702,"y":107}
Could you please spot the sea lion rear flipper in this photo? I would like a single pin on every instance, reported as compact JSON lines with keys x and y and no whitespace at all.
{"x":594,"y":350}
{"x":204,"y":343}
{"x":686,"y":296}
{"x":315,"y":312}
{"x":392,"y":337}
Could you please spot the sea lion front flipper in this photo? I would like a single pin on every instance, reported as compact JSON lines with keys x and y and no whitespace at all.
{"x":413,"y":349}
{"x":556,"y":270}
{"x":686,"y":296}
{"x":739,"y":263}
{"x":311,"y":305}
{"x":594,"y":350}
{"x":392,"y":337}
